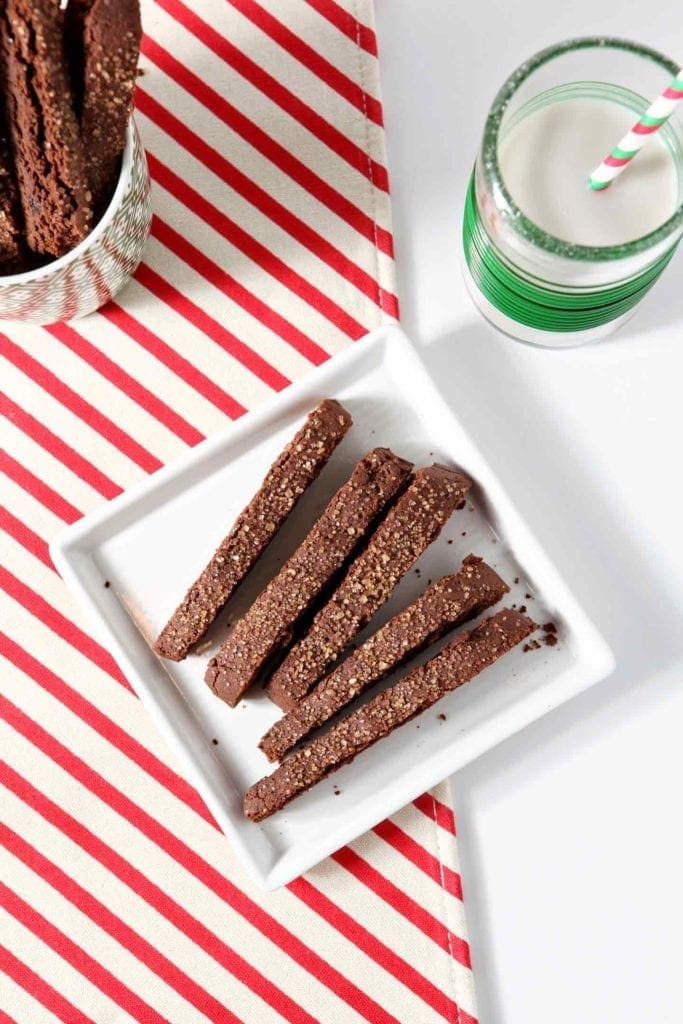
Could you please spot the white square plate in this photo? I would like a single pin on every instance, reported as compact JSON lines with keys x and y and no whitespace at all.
{"x":152,"y":541}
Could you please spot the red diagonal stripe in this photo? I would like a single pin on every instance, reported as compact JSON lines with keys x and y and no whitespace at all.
{"x":673,"y":94}
{"x":78,"y":958}
{"x":389,"y":303}
{"x":413,"y":851}
{"x":252,"y":133}
{"x":466,"y":1018}
{"x":311,"y":896}
{"x":220,"y":278}
{"x":262,"y":200}
{"x":403,"y":904}
{"x":37,"y":546}
{"x":181,"y":190}
{"x":370,"y":945}
{"x":5,"y":1017}
{"x":336,"y":919}
{"x":342,"y":19}
{"x":39,"y":490}
{"x":59,"y":624}
{"x":266,"y":203}
{"x":76,"y":404}
{"x":25,"y":536}
{"x":325,"y":132}
{"x":58,"y":448}
{"x":106,"y":727}
{"x":374,"y":948}
{"x":440,"y":814}
{"x":645,"y":129}
{"x":117,"y":376}
{"x":194,"y":929}
{"x":301,"y":888}
{"x":209,"y":326}
{"x":41,"y":990}
{"x":114,"y":926}
{"x":175,"y":362}
{"x":284,"y":939}
{"x":311,"y":59}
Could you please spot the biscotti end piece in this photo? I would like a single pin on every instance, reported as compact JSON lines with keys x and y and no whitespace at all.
{"x":10,"y":218}
{"x":290,"y":475}
{"x":446,"y":604}
{"x":104,"y":42}
{"x":270,"y":622}
{"x":48,"y":154}
{"x":413,"y":523}
{"x":458,"y":662}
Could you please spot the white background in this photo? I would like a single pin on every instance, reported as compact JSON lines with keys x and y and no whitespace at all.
{"x":570,"y":833}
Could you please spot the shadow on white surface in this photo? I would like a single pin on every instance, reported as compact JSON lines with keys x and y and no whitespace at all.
{"x":569,"y":843}
{"x":606,"y":562}
{"x":566,"y":503}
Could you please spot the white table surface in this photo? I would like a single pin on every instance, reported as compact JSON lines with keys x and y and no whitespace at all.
{"x":571,"y":833}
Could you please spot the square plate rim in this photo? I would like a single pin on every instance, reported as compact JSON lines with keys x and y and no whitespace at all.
{"x":71,"y":542}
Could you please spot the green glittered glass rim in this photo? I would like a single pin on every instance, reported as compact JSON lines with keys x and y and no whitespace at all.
{"x":494,"y":183}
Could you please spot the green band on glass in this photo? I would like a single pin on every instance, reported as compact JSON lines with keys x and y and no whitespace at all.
{"x":538,"y":305}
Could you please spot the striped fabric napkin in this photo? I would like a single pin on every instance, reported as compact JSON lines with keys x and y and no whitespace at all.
{"x":271,"y":250}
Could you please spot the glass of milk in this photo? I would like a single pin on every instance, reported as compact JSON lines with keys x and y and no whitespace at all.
{"x":547,"y":260}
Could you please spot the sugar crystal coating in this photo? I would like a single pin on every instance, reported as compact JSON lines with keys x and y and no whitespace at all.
{"x":446,"y":604}
{"x":270,"y":622}
{"x":287,"y":479}
{"x":408,"y":529}
{"x":459,"y":661}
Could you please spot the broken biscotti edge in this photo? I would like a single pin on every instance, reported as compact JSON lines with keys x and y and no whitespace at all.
{"x":446,"y":604}
{"x":268,"y":625}
{"x":413,"y":523}
{"x":458,"y":662}
{"x":10,"y":217}
{"x":291,"y":474}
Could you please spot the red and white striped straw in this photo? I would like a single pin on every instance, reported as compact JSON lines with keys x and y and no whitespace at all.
{"x":656,"y":115}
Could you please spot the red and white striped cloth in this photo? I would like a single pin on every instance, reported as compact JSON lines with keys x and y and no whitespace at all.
{"x":271,"y":250}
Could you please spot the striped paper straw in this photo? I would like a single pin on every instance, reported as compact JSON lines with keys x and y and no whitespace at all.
{"x":651,"y":121}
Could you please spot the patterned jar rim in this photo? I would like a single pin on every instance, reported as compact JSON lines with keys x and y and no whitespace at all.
{"x":125,"y":174}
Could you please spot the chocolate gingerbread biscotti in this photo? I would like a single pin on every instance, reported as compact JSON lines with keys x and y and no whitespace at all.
{"x":10,"y":226}
{"x":448,"y":603}
{"x":270,"y":622}
{"x":55,"y":196}
{"x":295,"y":469}
{"x":103,"y":41}
{"x":458,"y":662}
{"x":409,"y":528}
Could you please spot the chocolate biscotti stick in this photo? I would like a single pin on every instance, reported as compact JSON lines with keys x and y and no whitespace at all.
{"x":10,"y":226}
{"x":103,"y":40}
{"x":48,"y":153}
{"x":287,"y":479}
{"x":268,"y":625}
{"x":448,"y":603}
{"x":409,"y":528}
{"x":458,"y":662}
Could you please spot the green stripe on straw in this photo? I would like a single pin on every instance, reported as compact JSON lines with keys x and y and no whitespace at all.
{"x":628,"y":147}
